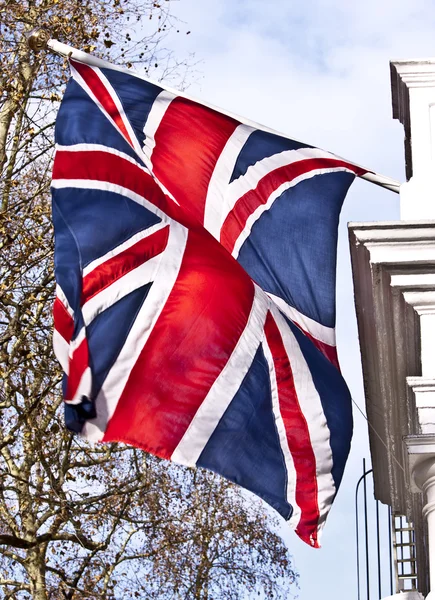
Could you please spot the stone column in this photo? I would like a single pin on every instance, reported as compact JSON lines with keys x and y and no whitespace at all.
{"x":424,"y":478}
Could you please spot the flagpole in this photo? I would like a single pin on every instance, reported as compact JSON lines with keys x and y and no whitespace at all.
{"x":39,"y":39}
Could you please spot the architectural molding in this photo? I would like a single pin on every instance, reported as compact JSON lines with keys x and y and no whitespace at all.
{"x":413,"y":95}
{"x":394,"y":282}
{"x":406,"y":596}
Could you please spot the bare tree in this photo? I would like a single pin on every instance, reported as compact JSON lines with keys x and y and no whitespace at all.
{"x":78,"y":521}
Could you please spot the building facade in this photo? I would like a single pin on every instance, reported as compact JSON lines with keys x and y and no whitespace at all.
{"x":393,"y":266}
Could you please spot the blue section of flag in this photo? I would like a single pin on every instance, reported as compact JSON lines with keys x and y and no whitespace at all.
{"x":109,"y":330}
{"x":66,"y":259}
{"x":301,"y":226}
{"x":245,"y":446}
{"x":77,"y":414}
{"x":335,"y":398}
{"x":259,"y":145}
{"x":128,"y":90}
{"x":101,"y":214}
{"x":89,"y":126}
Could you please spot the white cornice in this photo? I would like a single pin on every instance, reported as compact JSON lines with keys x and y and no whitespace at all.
{"x":413,"y":99}
{"x":415,"y":72}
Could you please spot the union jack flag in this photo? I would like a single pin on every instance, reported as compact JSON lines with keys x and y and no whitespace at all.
{"x":195,"y":311}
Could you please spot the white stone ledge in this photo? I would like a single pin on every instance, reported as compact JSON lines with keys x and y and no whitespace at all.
{"x":405,"y":596}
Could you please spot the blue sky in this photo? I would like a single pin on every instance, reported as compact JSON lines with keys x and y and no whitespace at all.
{"x":319,"y":72}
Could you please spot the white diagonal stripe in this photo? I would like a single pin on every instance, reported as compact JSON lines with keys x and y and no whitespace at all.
{"x":75,"y":343}
{"x":119,"y":106}
{"x":311,"y":408}
{"x":140,"y":331}
{"x":83,"y":389}
{"x":105,"y":186}
{"x":263,"y":167}
{"x":282,"y":435}
{"x":217,"y":188}
{"x":317,"y":330}
{"x":85,"y":383}
{"x":253,"y":218}
{"x":155,"y":116}
{"x":79,"y":79}
{"x":61,"y":350}
{"x":62,"y":297}
{"x":114,"y":96}
{"x":141,"y":235}
{"x":134,"y":141}
{"x":120,"y":288}
{"x":226,"y":385}
{"x":101,"y":148}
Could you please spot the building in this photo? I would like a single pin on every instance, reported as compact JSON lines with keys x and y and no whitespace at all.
{"x":393,"y":267}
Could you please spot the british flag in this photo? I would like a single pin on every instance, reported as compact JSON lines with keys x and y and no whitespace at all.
{"x":195,"y":266}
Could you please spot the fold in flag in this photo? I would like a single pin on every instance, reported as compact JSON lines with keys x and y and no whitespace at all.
{"x":195,"y":262}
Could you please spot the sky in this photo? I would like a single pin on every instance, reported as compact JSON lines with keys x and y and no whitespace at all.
{"x":319,"y":72}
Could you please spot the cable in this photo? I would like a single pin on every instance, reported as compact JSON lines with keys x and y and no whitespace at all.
{"x":378,"y":436}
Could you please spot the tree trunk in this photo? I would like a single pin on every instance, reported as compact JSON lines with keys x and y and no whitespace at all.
{"x":35,"y":566}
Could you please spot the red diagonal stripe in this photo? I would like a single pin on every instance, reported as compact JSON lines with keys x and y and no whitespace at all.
{"x":103,"y":96}
{"x":191,"y":342}
{"x":116,"y":267}
{"x":245,"y":206}
{"x":96,"y":165}
{"x":63,"y":322}
{"x":189,"y":141}
{"x":298,"y":436}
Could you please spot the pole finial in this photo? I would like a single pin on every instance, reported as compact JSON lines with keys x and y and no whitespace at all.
{"x":37,"y":39}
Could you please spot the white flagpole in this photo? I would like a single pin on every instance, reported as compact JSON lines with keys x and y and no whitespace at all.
{"x":69,"y":52}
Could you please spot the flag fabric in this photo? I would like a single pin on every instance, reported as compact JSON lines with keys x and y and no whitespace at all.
{"x":195,"y":262}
